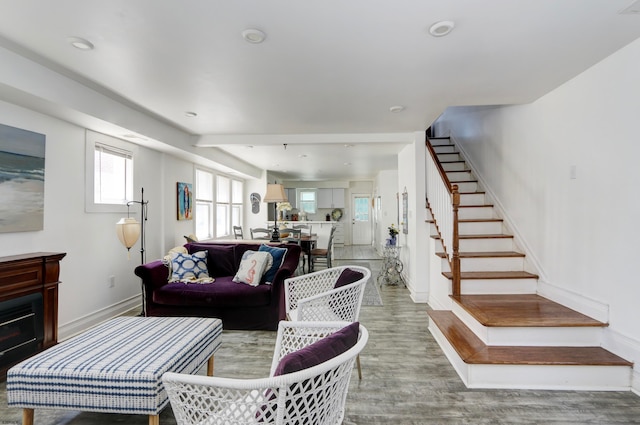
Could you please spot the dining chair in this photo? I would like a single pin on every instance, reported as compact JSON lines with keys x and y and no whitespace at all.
{"x":237,"y":232}
{"x":322,"y":255}
{"x":260,"y":233}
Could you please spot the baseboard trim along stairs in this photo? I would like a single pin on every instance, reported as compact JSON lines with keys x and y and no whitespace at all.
{"x":499,"y":333}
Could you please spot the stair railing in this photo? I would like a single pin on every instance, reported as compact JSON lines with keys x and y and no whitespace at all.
{"x":444,"y":200}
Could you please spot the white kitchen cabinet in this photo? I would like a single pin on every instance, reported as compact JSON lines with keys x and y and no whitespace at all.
{"x":292,"y":197}
{"x":330,"y":198}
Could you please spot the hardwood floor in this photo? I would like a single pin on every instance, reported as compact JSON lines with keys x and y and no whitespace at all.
{"x":406,"y":378}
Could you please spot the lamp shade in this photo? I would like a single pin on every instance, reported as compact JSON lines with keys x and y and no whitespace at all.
{"x":128,"y":231}
{"x":275,"y":193}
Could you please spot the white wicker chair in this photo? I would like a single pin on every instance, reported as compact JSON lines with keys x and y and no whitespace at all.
{"x":312,"y":297}
{"x":316,"y":395}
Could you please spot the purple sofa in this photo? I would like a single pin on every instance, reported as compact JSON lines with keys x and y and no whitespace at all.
{"x":238,"y":305}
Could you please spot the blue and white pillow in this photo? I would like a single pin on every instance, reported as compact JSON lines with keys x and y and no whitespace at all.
{"x":188,"y":267}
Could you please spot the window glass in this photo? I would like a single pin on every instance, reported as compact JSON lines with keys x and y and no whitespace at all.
{"x":109,"y":173}
{"x":307,"y":201}
{"x":223,"y":192}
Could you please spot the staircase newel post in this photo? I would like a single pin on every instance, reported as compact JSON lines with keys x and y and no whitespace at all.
{"x":455,"y":244}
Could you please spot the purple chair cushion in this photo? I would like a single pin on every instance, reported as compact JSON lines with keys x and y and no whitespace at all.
{"x":320,"y":351}
{"x":347,"y":277}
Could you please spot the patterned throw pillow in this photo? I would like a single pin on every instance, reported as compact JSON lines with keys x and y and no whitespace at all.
{"x":188,"y":267}
{"x":252,"y":267}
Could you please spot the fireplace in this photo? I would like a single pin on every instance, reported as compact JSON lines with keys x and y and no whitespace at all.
{"x":21,"y":328}
{"x":28,"y":306}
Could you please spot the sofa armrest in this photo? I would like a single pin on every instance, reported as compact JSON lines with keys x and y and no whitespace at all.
{"x":154,"y":274}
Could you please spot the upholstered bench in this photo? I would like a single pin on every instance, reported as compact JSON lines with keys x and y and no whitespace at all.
{"x":115,"y":367}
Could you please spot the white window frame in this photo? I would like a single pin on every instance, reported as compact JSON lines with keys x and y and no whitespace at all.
{"x":208,"y":202}
{"x":129,"y":149}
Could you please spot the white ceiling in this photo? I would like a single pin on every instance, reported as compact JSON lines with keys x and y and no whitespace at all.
{"x":328,"y":71}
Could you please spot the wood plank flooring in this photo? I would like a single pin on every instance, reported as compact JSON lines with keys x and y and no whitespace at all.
{"x":407,"y":380}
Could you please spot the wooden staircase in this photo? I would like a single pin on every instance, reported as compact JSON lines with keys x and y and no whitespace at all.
{"x":498,"y":332}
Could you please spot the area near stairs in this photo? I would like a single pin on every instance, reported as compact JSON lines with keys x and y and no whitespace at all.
{"x":498,"y":332}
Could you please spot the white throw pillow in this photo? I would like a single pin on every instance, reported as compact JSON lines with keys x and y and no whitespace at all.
{"x":252,"y":267}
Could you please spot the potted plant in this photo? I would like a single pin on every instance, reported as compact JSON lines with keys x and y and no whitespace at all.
{"x":393,"y":233}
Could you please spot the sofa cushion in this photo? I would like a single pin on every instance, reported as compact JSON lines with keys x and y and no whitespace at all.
{"x":221,"y":259}
{"x":348,"y":277}
{"x":320,"y":351}
{"x":278,"y":255}
{"x":252,"y":267}
{"x":222,"y":293}
{"x":188,"y":266}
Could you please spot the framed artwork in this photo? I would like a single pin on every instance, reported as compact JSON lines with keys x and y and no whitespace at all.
{"x":21,"y":180}
{"x":185,"y":201}
{"x":405,"y":210}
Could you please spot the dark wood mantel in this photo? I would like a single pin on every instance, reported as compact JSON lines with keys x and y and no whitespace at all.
{"x":31,"y":273}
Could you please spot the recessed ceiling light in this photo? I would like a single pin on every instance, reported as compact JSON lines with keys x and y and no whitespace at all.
{"x":80,"y":43}
{"x":347,"y":163}
{"x":348,"y":146}
{"x":253,"y":35}
{"x":302,"y":156}
{"x":442,"y":28}
{"x":397,"y":108}
{"x":190,"y":114}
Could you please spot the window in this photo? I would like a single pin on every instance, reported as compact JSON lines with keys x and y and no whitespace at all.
{"x":109,"y":175}
{"x":215,"y":219}
{"x":307,"y":201}
{"x":113,"y":175}
{"x":223,"y":204}
{"x":204,"y":204}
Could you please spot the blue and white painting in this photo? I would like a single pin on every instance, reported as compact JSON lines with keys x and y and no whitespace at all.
{"x":21,"y":180}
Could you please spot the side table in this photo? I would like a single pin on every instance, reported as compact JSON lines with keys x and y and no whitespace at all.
{"x":391,"y":272}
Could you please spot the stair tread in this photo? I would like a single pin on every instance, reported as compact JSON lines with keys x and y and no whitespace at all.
{"x":476,"y":206}
{"x":473,"y":351}
{"x":483,"y":236}
{"x":485,"y":254}
{"x":480,"y":220}
{"x":493,"y":275}
{"x":526,"y":310}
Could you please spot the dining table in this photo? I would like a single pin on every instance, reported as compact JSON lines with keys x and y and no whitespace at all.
{"x":307,"y":243}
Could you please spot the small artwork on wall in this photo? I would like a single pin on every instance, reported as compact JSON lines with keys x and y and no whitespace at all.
{"x":185,"y":201}
{"x":21,"y":180}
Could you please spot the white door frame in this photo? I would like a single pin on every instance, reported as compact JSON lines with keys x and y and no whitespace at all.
{"x":361,"y":231}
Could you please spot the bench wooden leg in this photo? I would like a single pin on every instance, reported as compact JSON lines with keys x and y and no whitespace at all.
{"x":210,"y":366}
{"x":27,"y":416}
{"x":154,"y":419}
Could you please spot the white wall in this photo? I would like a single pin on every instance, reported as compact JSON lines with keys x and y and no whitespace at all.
{"x":93,"y":250}
{"x":415,"y":245}
{"x":580,"y":234}
{"x":386,"y":187}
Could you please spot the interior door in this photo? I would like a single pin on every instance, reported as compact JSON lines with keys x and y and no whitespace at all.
{"x":361,"y":220}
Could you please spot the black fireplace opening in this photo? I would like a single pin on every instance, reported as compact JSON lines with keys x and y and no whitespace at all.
{"x":21,"y":328}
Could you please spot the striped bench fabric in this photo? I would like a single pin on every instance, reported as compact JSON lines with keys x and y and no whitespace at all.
{"x":115,"y":367}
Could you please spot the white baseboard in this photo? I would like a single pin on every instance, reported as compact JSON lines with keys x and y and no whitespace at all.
{"x":577,"y":302}
{"x":81,"y":324}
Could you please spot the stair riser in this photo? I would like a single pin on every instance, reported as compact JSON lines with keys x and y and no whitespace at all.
{"x":584,"y":336}
{"x":472,"y":199}
{"x":467,"y":186}
{"x":454,"y":166}
{"x":486,"y":244}
{"x":498,"y":286}
{"x":543,"y":377}
{"x":444,"y":148}
{"x":459,"y":176}
{"x":480,"y":228}
{"x":551,"y":377}
{"x":470,"y":213}
{"x":446,"y":157}
{"x":515,"y":264}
